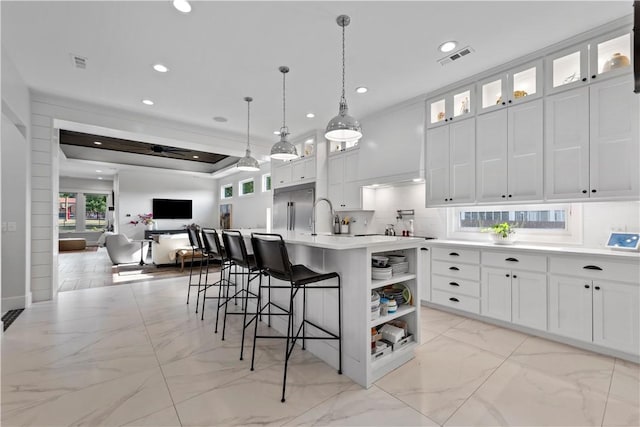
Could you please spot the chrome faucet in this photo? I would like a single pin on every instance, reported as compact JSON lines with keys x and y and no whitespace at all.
{"x":313,"y":214}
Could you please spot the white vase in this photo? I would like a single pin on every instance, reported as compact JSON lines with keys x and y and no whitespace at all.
{"x":150,"y":226}
{"x":499,"y":240}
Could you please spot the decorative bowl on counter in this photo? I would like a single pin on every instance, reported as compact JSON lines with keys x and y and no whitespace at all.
{"x":510,"y":239}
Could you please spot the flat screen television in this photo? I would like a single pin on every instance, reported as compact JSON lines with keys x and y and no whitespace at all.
{"x":172,"y":209}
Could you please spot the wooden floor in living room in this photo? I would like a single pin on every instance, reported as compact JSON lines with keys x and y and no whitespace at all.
{"x":92,"y":268}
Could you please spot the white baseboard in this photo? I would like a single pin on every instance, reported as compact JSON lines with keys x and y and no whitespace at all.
{"x":28,"y":299}
{"x":13,"y":303}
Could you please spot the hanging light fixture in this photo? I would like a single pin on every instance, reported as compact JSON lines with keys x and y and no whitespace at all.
{"x":248,"y":163}
{"x":343,"y":127}
{"x":283,"y":149}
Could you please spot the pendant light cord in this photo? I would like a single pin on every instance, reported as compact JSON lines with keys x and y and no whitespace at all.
{"x":284,"y":104}
{"x":248,"y":122}
{"x":343,"y":98}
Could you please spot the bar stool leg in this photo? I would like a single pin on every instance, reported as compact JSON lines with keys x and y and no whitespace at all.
{"x":190,"y":274}
{"x":204,"y":291}
{"x":226,"y":299}
{"x":199,"y":282}
{"x":286,"y":353}
{"x":244,"y":317}
{"x":255,"y":327}
{"x":223,"y":282}
{"x":339,"y":326}
{"x":304,"y":316}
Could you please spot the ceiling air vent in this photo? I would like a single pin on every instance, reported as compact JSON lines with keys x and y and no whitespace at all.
{"x":456,"y":55}
{"x":79,"y":61}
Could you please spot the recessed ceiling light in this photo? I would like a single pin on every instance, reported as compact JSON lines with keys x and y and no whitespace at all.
{"x":375,"y":185}
{"x":182,"y":5}
{"x":310,"y":115}
{"x":99,"y":177}
{"x":147,"y":102}
{"x":97,"y":142}
{"x":418,"y":179}
{"x":220,"y":119}
{"x":276,"y":132}
{"x":309,"y":141}
{"x":98,"y":170}
{"x":362,"y":89}
{"x":196,"y":157}
{"x":447,"y":46}
{"x":160,"y":68}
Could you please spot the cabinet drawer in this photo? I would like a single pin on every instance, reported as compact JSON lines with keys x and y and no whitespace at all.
{"x":595,"y":268}
{"x":459,"y":286}
{"x":454,"y":254}
{"x":512,"y":261}
{"x":459,"y":302}
{"x":456,"y":270}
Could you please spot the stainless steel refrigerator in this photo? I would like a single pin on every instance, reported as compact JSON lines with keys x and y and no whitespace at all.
{"x":292,"y":207}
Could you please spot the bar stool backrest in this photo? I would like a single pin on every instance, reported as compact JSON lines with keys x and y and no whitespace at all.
{"x":271,"y":255}
{"x":211,"y":242}
{"x":194,"y":239}
{"x":235,"y":247}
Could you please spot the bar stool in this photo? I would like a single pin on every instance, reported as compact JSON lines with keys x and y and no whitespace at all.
{"x":197,"y":250}
{"x":237,"y":255}
{"x":273,"y":261}
{"x":214,"y":252}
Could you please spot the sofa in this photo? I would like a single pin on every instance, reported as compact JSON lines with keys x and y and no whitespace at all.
{"x":122,"y":250}
{"x":165,"y":246}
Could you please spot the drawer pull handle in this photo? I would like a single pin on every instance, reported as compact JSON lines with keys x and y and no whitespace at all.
{"x":378,"y":355}
{"x":454,"y":254}
{"x":586,"y":286}
{"x":454,"y":299}
{"x":453,"y":284}
{"x":512,"y":259}
{"x":592,"y":267}
{"x":424,"y":249}
{"x":597,"y":288}
{"x":454,"y":268}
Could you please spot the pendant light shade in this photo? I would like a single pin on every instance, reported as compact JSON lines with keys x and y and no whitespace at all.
{"x":248,"y":163}
{"x":283,"y":149}
{"x":343,"y":127}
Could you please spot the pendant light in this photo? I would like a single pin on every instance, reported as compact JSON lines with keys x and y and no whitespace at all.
{"x":283,"y":149}
{"x":343,"y":127}
{"x":248,"y":163}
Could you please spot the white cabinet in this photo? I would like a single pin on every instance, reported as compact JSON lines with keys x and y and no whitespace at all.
{"x":592,"y":140}
{"x":450,"y":164}
{"x":529,"y":299}
{"x":511,"y":87}
{"x":344,"y":190}
{"x":603,"y":57}
{"x":293,"y":172}
{"x":280,"y":174}
{"x":425,"y":287}
{"x":303,"y":169}
{"x":596,"y":300}
{"x":495,"y":289}
{"x":455,"y":278}
{"x":452,"y":105}
{"x":509,"y":154}
{"x":391,"y":148}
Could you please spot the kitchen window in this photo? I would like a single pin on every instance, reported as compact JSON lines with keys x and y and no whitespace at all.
{"x":552,"y":223}
{"x":226,"y":191}
{"x":245,"y":187}
{"x":266,"y":182}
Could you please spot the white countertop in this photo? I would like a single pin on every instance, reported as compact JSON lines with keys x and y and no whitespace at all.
{"x":346,"y":241}
{"x":537,"y":248}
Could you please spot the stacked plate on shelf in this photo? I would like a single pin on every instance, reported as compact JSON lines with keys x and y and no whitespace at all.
{"x":398,"y":264}
{"x":381,"y":273}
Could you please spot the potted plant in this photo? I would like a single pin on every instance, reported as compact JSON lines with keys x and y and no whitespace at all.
{"x":502,"y":233}
{"x":146,"y":219}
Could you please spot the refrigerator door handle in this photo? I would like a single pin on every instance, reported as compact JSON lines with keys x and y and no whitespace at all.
{"x":293,"y":216}
{"x":288,"y":215}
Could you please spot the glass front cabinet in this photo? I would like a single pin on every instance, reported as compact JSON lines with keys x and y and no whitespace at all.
{"x":606,"y":56}
{"x":456,"y":104}
{"x":517,"y":85}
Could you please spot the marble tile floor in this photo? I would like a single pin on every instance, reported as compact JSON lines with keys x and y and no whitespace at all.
{"x":137,"y":355}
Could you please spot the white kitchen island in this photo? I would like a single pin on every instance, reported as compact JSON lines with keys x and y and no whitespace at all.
{"x":351,"y":258}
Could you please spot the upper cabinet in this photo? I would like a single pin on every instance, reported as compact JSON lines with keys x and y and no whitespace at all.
{"x":592,"y":140}
{"x":606,"y":56}
{"x":297,"y":171}
{"x":517,"y":85}
{"x":344,"y":189}
{"x":456,"y":104}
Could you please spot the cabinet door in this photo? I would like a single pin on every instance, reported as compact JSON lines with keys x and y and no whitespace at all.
{"x":336,"y":195}
{"x":336,"y":169}
{"x":495,"y":293}
{"x":567,"y":145}
{"x":614,"y":139}
{"x":616,"y":319}
{"x":492,"y":93}
{"x":491,"y":156}
{"x":351,"y":196}
{"x":529,"y":299}
{"x":570,"y":307}
{"x":525,"y":83}
{"x":303,"y":169}
{"x":462,"y":169}
{"x":350,"y":166}
{"x":280,"y":174}
{"x":524,"y":153}
{"x":436,"y":111}
{"x":567,"y":68}
{"x":425,"y":286}
{"x":310,"y":168}
{"x":437,"y":166}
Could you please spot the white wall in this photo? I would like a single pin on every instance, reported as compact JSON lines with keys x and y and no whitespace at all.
{"x":138,"y":188}
{"x":247,"y":211}
{"x":16,"y":180}
{"x":600,"y":218}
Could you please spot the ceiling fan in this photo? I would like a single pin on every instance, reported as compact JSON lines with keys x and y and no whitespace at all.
{"x":159,"y":149}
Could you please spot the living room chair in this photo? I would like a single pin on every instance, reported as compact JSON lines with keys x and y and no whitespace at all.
{"x":122,"y":250}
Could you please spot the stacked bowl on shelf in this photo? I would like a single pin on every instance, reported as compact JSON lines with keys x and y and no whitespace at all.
{"x":380,"y":269}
